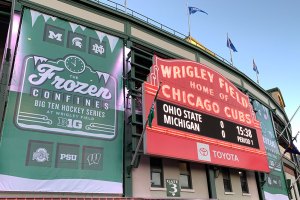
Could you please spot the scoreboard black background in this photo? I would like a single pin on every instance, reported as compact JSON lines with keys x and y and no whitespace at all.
{"x":210,"y":126}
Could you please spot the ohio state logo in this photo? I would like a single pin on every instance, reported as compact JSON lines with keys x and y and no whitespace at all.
{"x":40,"y":155}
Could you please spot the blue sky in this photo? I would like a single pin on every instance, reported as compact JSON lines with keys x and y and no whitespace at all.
{"x":267,"y":31}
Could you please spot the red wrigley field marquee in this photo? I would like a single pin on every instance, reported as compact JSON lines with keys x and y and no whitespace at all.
{"x":202,"y":117}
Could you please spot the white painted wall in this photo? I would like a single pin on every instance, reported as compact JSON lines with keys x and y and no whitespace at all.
{"x":141,"y":180}
{"x":236,"y":187}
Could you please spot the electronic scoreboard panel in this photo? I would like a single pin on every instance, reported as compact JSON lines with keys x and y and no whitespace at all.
{"x":180,"y":118}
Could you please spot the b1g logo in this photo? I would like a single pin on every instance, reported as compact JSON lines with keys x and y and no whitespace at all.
{"x":67,"y":96}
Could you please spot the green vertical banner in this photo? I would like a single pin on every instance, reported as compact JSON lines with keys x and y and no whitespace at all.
{"x":274,"y":187}
{"x":63,"y":128}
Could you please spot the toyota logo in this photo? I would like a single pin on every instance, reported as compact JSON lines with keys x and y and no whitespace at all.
{"x":203,"y":151}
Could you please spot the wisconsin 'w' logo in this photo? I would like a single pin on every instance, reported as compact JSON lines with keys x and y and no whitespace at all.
{"x":93,"y":158}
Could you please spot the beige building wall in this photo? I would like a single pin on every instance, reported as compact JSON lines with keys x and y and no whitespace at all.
{"x":236,"y":193}
{"x":286,"y":155}
{"x":156,"y":40}
{"x":294,"y":190}
{"x":289,"y":174}
{"x":141,"y":180}
{"x":278,"y":98}
{"x":82,"y":14}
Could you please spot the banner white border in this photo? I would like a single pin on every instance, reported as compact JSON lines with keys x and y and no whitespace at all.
{"x":12,"y":183}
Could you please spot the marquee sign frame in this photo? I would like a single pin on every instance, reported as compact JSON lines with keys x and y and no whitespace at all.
{"x":202,"y":117}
